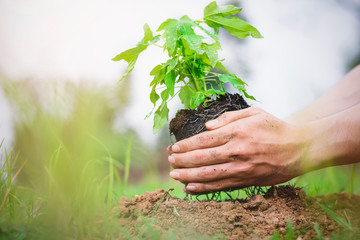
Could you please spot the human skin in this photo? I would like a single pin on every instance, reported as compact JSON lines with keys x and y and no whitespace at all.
{"x":251,"y":147}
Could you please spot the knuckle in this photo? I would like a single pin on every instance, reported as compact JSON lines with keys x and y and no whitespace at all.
{"x":214,"y":154}
{"x":225,"y":116}
{"x":207,"y":172}
{"x":217,"y":186}
{"x":254,"y":110}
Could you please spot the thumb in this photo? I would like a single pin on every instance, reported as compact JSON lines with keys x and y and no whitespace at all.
{"x":231,"y":116}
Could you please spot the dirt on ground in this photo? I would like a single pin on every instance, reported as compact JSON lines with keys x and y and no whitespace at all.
{"x":283,"y":211}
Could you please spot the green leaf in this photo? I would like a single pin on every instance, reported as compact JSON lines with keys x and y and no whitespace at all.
{"x":185,"y":96}
{"x":211,"y":51}
{"x":165,"y":95}
{"x":148,"y":35}
{"x":194,"y":42}
{"x":248,"y":96}
{"x":170,"y":82}
{"x":160,"y":117}
{"x":214,"y":9}
{"x":130,"y":56}
{"x":222,"y":67}
{"x":154,"y":96}
{"x":159,"y":73}
{"x":197,"y":99}
{"x":214,"y":92}
{"x":156,"y":70}
{"x":169,"y":23}
{"x":235,"y":81}
{"x":171,"y":63}
{"x":234,"y":25}
{"x":170,"y":34}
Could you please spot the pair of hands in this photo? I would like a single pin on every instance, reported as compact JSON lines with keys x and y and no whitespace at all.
{"x":242,"y":148}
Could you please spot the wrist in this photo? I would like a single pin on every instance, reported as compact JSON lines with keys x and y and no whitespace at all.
{"x":309,"y":155}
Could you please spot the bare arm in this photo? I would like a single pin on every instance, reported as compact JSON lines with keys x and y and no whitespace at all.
{"x":344,"y":94}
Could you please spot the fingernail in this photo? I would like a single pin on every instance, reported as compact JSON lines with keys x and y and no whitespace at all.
{"x":190,"y":187}
{"x":212,"y":123}
{"x":175,"y":148}
{"x":171,"y":159}
{"x":174,"y":175}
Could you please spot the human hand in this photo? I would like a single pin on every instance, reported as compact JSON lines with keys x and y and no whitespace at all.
{"x":242,"y":148}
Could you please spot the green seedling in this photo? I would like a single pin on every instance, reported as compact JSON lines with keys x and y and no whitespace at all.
{"x":192,"y":69}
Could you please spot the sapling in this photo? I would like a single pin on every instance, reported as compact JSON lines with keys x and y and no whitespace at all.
{"x":192,"y":69}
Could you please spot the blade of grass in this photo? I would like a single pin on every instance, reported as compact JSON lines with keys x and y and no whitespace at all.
{"x":337,"y":218}
{"x":9,"y":187}
{"x":351,"y":185}
{"x":109,"y":200}
{"x":176,"y":212}
{"x":318,"y":232}
{"x":127,"y":161}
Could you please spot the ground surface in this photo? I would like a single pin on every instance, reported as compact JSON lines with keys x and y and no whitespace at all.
{"x":158,"y":215}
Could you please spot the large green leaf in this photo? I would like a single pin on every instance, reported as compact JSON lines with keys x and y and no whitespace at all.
{"x":160,"y":117}
{"x":234,"y":25}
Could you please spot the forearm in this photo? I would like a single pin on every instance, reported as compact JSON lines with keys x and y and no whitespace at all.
{"x":344,"y":94}
{"x":333,"y":140}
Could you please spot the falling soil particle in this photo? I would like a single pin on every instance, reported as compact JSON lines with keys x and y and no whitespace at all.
{"x":158,"y":214}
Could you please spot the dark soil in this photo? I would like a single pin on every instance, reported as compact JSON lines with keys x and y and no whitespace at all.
{"x":188,"y":123}
{"x":161,"y":216}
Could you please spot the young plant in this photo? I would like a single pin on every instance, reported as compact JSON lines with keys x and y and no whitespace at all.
{"x":192,"y":70}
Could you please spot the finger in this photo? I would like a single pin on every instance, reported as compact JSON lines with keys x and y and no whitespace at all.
{"x":168,"y":149}
{"x":223,"y":184}
{"x":230,"y":116}
{"x":210,"y":173}
{"x":202,"y":157}
{"x":202,"y":140}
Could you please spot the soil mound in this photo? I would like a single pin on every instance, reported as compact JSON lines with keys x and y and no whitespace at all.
{"x":159,"y":215}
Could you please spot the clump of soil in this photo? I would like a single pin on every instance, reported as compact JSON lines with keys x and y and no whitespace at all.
{"x":188,"y":123}
{"x":158,"y":214}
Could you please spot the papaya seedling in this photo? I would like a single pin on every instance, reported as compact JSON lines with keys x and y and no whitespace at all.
{"x":192,"y":69}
